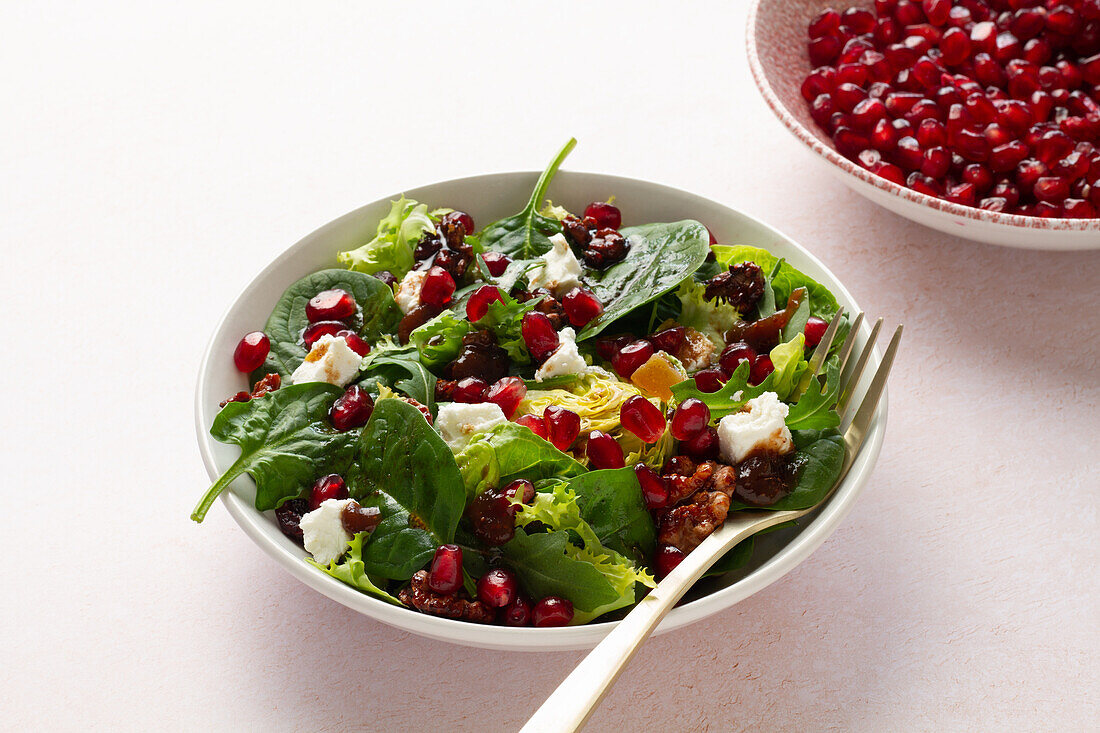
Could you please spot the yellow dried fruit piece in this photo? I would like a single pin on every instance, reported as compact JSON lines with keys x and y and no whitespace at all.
{"x":657,"y":376}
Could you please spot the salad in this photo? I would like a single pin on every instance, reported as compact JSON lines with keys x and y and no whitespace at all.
{"x":531,"y":423}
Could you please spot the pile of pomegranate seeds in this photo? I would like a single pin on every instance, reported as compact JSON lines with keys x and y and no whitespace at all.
{"x":987,"y":103}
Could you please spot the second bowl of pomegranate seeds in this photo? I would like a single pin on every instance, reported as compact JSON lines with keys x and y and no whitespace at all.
{"x":979,"y":118}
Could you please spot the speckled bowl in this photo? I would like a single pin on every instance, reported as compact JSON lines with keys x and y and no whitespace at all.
{"x":776,"y":38}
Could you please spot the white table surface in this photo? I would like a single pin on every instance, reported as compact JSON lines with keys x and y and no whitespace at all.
{"x":154,"y":156}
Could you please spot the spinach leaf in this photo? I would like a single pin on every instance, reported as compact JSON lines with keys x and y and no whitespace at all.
{"x":661,"y":256}
{"x":378,"y":315}
{"x":400,"y":369}
{"x":408,"y":472}
{"x":353,"y":572}
{"x":818,"y":460}
{"x":286,"y":442}
{"x":507,"y":452}
{"x":611,"y":502}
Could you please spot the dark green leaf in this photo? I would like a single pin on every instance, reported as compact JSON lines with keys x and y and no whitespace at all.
{"x":399,"y":368}
{"x":611,"y":502}
{"x":286,"y":442}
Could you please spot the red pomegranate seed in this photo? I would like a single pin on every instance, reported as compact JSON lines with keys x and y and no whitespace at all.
{"x":857,"y":21}
{"x":438,"y":287}
{"x":666,"y":559}
{"x":670,"y":340}
{"x":354,"y":342}
{"x":631,"y":356}
{"x":581,"y":306}
{"x":497,"y":588}
{"x":890,"y":172}
{"x":936,"y":163}
{"x":655,"y":492}
{"x":823,"y":51}
{"x":607,"y":348}
{"x":702,"y":447}
{"x":1006,"y":191}
{"x":539,"y":335}
{"x":1079,"y":209}
{"x":534,"y":423}
{"x":955,"y":46}
{"x":643,"y":418}
{"x":962,"y":193}
{"x":252,"y":351}
{"x":607,"y":215}
{"x":924,"y":184}
{"x":710,"y":380}
{"x":856,"y":74}
{"x":518,"y":612}
{"x":825,"y":23}
{"x":1063,"y":20}
{"x":445,"y":574}
{"x":315,"y":331}
{"x":979,"y":176}
{"x":847,"y":96}
{"x":1006,"y":157}
{"x":691,"y":417}
{"x":972,"y":146}
{"x":850,"y":143}
{"x":1051,"y":189}
{"x":820,"y":81}
{"x":330,"y":305}
{"x":761,"y":368}
{"x":993,"y":203}
{"x":884,"y":137}
{"x":886,"y":32}
{"x":507,"y":393}
{"x":931,"y":133}
{"x":478,"y":304}
{"x":461,"y":217}
{"x":734,"y":354}
{"x":552,"y":611}
{"x":562,"y":426}
{"x":899,"y":103}
{"x":496,"y":263}
{"x":909,"y":154}
{"x":603,"y":451}
{"x":867,"y":113}
{"x":814,"y":331}
{"x":351,"y":409}
{"x":822,"y":109}
{"x":470,"y":390}
{"x":327,"y":487}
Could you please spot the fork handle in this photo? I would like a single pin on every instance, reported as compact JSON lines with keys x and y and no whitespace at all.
{"x":577,"y":696}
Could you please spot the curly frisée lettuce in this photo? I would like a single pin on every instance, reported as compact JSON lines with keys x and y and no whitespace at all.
{"x":352,"y":571}
{"x":392,"y":246}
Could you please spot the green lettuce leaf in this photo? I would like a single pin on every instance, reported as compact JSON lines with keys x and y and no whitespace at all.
{"x":709,"y":318}
{"x":393,"y":244}
{"x":508,"y":452}
{"x":351,"y":570}
{"x":789,"y":362}
{"x":399,"y":368}
{"x":504,"y":319}
{"x":610,"y":501}
{"x":439,"y":340}
{"x":785,"y":280}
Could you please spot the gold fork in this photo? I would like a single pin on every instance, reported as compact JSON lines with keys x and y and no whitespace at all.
{"x":577,"y":696}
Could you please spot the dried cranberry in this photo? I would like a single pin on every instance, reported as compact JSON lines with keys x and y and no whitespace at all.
{"x":690,"y":418}
{"x":630,"y":357}
{"x":643,"y":418}
{"x":655,"y":491}
{"x":470,"y":390}
{"x":497,"y":588}
{"x":534,"y":423}
{"x":289,"y":516}
{"x":438,"y":287}
{"x":581,"y":306}
{"x":251,"y":352}
{"x":460,"y":218}
{"x":666,"y":559}
{"x":539,"y":335}
{"x":496,"y":263}
{"x":385,"y":276}
{"x":606,"y":215}
{"x":742,"y":286}
{"x":492,"y":513}
{"x":330,"y":305}
{"x":414,"y":319}
{"x":325,"y":488}
{"x":552,"y":611}
{"x":605,"y":249}
{"x":562,"y":426}
{"x":354,"y":342}
{"x":507,"y":393}
{"x":351,"y":409}
{"x":604,"y":451}
{"x":478,"y":304}
{"x":763,"y":479}
{"x":445,"y":574}
{"x":355,"y":518}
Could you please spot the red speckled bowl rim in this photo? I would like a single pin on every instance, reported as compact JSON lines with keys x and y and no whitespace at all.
{"x":815,"y":143}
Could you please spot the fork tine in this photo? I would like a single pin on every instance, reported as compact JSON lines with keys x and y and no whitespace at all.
{"x":861,"y":423}
{"x":822,"y":351}
{"x":849,"y":382}
{"x":849,"y":341}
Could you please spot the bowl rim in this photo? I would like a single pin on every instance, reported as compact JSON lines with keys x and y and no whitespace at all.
{"x":261,"y":531}
{"x":812,"y":141}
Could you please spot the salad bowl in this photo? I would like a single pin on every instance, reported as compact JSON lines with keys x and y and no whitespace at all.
{"x":776,"y":38}
{"x":486,"y":198}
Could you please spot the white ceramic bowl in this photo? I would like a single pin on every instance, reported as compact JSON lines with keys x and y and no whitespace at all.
{"x":487,"y":198}
{"x":776,"y":38}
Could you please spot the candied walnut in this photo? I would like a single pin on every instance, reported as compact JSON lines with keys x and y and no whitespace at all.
{"x":480,"y":357}
{"x":414,"y":319}
{"x":426,"y":248}
{"x":685,"y":526}
{"x":453,"y":262}
{"x":424,"y":599}
{"x":696,"y":352}
{"x":269,"y":383}
{"x":554,"y":311}
{"x":764,"y":478}
{"x":445,"y":389}
{"x":741,"y":287}
{"x":694,"y":478}
{"x":605,"y":249}
{"x":452,"y":231}
{"x":575,"y":230}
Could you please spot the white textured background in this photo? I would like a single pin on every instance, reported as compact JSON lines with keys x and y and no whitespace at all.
{"x":155,"y":156}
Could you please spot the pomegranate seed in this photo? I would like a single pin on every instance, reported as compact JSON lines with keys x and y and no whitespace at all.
{"x":850,"y":143}
{"x":327,"y":487}
{"x":607,"y":348}
{"x":924,"y":184}
{"x":931,"y":133}
{"x":562,"y":426}
{"x":710,"y":380}
{"x":552,"y":611}
{"x":1051,"y":189}
{"x":823,"y":51}
{"x":690,"y":418}
{"x":734,"y":354}
{"x":884,"y":137}
{"x":438,"y":287}
{"x":330,"y":305}
{"x":826,"y":23}
{"x":886,"y":32}
{"x":315,"y":331}
{"x":955,"y":46}
{"x":351,"y":409}
{"x":666,"y":559}
{"x":539,"y":335}
{"x":655,"y":492}
{"x":936,"y":163}
{"x":856,"y":74}
{"x":631,"y":356}
{"x":1006,"y":157}
{"x":993,"y":203}
{"x":900,"y":103}
{"x":354,"y":342}
{"x":847,"y":96}
{"x":581,"y":306}
{"x":857,"y":21}
{"x":518,"y":612}
{"x":643,"y":418}
{"x":1063,"y":20}
{"x":252,"y":351}
{"x":603,"y":451}
{"x":670,"y":340}
{"x":867,"y":113}
{"x":908,"y":154}
{"x":496,"y":263}
{"x":1079,"y":209}
{"x":979,"y":176}
{"x":461,"y":217}
{"x":534,"y":423}
{"x":445,"y":574}
{"x":761,"y":368}
{"x":478,"y":304}
{"x":507,"y":393}
{"x":713,"y":239}
{"x":497,"y":588}
{"x":702,"y":447}
{"x":607,"y":215}
{"x":820,"y":81}
{"x":972,"y":146}
{"x":470,"y":390}
{"x":814,"y":331}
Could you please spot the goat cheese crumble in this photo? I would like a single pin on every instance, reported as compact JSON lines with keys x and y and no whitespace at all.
{"x":458,"y":421}
{"x":565,"y":359}
{"x":408,"y":292}
{"x":761,"y":425}
{"x":560,"y":271}
{"x":323,"y":533}
{"x":330,"y":360}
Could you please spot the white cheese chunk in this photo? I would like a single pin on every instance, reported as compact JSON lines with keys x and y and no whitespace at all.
{"x":560,"y":271}
{"x":323,"y":533}
{"x":458,"y":421}
{"x":565,"y":359}
{"x":330,"y":360}
{"x":760,"y":426}
{"x":408,"y":292}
